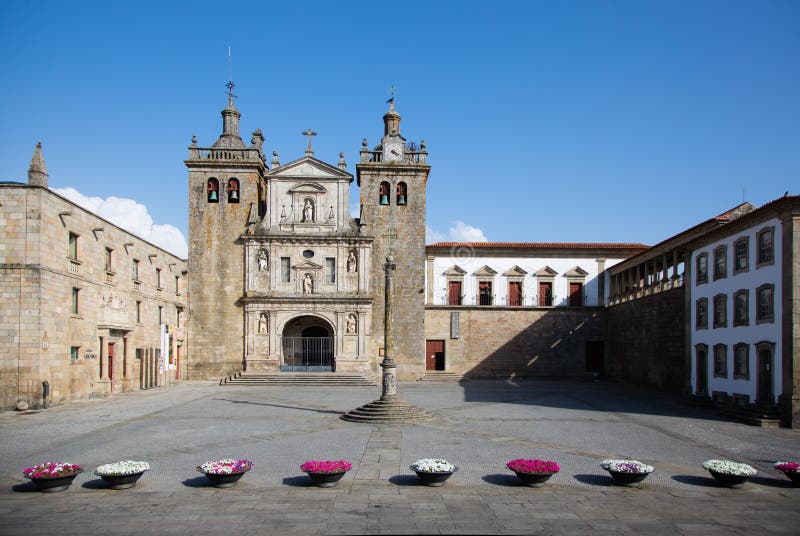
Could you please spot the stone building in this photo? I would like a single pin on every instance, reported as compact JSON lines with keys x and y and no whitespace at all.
{"x":83,"y":301}
{"x":282,"y":278}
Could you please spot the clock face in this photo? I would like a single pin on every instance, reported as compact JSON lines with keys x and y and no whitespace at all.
{"x":393,"y":151}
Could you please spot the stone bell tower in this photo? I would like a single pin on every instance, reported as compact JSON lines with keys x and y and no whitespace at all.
{"x":393,"y":178}
{"x":227,"y":193}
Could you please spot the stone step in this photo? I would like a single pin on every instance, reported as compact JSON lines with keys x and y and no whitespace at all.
{"x":765,"y":417}
{"x":441,"y":376}
{"x":387,"y":411}
{"x":299,"y":378}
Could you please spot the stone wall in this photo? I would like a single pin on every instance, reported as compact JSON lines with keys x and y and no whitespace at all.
{"x":515,"y":342}
{"x":647,"y":341}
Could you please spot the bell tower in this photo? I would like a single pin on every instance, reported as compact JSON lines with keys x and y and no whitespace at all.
{"x":392,"y":178}
{"x":227,"y":193}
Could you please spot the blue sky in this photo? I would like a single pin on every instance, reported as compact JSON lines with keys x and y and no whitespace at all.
{"x":545,"y":121}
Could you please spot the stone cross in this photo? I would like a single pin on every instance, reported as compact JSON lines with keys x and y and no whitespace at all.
{"x":309,"y":133}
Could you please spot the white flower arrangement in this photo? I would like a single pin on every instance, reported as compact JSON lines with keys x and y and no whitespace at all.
{"x":728,"y":467}
{"x":126,"y":467}
{"x":626,"y":466}
{"x":433,"y":465}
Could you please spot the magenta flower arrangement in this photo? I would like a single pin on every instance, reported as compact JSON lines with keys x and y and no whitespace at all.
{"x":787,"y":467}
{"x":52,"y":470}
{"x":225,"y":466}
{"x":326,"y":467}
{"x":533,"y":466}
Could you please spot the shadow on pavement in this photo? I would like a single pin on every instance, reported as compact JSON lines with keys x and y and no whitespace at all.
{"x":197,"y":482}
{"x":298,"y":481}
{"x":27,"y":487}
{"x":405,"y":480}
{"x":329,"y":411}
{"x":97,"y":483}
{"x":696,"y":480}
{"x":595,"y":480}
{"x":502,"y":480}
{"x":772,"y":482}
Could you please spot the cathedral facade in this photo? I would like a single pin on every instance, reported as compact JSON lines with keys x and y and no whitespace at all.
{"x":282,"y":278}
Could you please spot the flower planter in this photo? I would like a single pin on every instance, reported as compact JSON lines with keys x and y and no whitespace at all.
{"x":791,"y":470}
{"x":224,"y":480}
{"x":533,"y":480}
{"x":434,"y":479}
{"x":627,"y":479}
{"x":729,"y":481}
{"x":58,"y":483}
{"x":325,"y":480}
{"x":794,"y":476}
{"x":121,"y":481}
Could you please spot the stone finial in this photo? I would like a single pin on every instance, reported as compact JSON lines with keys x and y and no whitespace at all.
{"x":364,"y":142}
{"x":342,"y":163}
{"x":275,"y":162}
{"x":194,"y":141}
{"x":37,"y":172}
{"x":257,"y":141}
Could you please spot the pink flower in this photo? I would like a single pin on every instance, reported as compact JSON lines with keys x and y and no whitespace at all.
{"x":326,"y":466}
{"x":533,"y":466}
{"x":787,"y":466}
{"x":52,"y":470}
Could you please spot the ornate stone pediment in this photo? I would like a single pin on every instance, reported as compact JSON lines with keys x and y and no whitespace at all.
{"x":515,"y":271}
{"x":577,"y":272}
{"x":455,"y":271}
{"x":310,"y":168}
{"x":546,"y":272}
{"x":485,"y":271}
{"x":308,"y":188}
{"x":307,"y":265}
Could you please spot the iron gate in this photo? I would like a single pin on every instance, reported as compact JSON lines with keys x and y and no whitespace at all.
{"x":307,"y":354}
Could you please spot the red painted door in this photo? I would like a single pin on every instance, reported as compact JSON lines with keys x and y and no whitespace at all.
{"x":454,"y":293}
{"x":545,"y":294}
{"x":434,"y":355}
{"x":575,"y":294}
{"x":515,"y":293}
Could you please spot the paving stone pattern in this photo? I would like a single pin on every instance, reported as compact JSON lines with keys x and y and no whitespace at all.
{"x":479,"y":426}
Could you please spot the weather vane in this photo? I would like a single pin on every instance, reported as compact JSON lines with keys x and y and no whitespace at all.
{"x":230,"y":85}
{"x":392,"y":91}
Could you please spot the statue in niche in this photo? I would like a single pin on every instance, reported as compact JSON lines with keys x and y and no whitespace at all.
{"x":308,"y":212}
{"x":308,"y":284}
{"x":352,"y":324}
{"x":352,"y":263}
{"x":262,"y":324}
{"x":263,"y":260}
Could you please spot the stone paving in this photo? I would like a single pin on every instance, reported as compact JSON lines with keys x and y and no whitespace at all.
{"x":479,"y":426}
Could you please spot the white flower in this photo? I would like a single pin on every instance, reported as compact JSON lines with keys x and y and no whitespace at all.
{"x":127,"y":467}
{"x":729,"y":468}
{"x":433,"y":465}
{"x":626,"y":466}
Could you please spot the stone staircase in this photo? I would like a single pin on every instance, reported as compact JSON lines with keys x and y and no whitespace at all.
{"x":298,"y":378}
{"x":441,"y":376}
{"x":763,"y":415}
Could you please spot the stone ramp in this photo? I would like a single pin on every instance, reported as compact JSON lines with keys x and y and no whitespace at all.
{"x":298,"y":378}
{"x":441,"y":376}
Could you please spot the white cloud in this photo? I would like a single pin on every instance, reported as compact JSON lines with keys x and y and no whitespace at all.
{"x":132,"y":217}
{"x":459,"y":232}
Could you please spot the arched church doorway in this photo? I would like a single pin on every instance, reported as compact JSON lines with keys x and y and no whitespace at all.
{"x":307,"y":344}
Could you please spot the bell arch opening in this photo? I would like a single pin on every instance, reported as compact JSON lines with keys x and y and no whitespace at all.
{"x":307,"y":345}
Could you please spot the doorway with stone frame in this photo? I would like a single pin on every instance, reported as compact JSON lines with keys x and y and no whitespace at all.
{"x":307,"y":345}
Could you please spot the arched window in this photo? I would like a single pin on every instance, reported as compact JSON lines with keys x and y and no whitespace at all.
{"x":233,"y":190}
{"x":384,"y":193}
{"x":402,"y":192}
{"x":213,"y":190}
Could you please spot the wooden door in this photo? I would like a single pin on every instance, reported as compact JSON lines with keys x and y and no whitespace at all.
{"x":514,"y":293}
{"x":454,"y":293}
{"x":575,"y":294}
{"x":110,"y":361}
{"x":765,"y":388}
{"x":545,"y":294}
{"x":702,"y":373}
{"x":434,"y":355}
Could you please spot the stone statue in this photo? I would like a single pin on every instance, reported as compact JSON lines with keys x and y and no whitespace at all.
{"x":262,"y":324}
{"x":308,"y":284}
{"x":352,"y":326}
{"x":308,"y":212}
{"x":263,"y":260}
{"x":352,"y":264}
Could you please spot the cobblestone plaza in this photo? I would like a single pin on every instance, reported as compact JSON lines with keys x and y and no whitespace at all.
{"x":479,"y":426}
